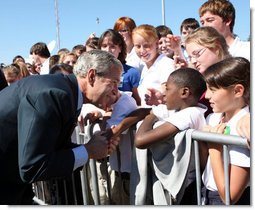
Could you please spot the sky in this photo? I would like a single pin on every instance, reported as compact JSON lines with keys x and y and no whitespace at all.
{"x":23,"y":23}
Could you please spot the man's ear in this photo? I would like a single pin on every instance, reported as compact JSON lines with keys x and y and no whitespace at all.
{"x":185,"y":92}
{"x":91,"y":76}
{"x":239,"y":90}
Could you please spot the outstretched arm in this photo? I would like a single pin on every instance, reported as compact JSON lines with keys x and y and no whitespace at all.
{"x":173,"y":42}
{"x":147,"y":135}
{"x":134,"y":117}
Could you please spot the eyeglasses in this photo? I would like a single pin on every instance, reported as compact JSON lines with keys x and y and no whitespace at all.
{"x":123,"y":31}
{"x":196,"y":54}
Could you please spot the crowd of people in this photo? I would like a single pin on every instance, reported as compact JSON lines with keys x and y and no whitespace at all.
{"x":140,"y":75}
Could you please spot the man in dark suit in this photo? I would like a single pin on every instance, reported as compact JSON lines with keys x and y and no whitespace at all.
{"x":37,"y":117}
{"x":3,"y":82}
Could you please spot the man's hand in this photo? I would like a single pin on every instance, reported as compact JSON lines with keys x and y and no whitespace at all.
{"x":101,"y":144}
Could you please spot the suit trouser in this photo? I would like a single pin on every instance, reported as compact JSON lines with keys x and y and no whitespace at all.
{"x":15,"y":194}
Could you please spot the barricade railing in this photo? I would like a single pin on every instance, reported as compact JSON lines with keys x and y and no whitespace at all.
{"x":86,"y":191}
{"x":225,"y":140}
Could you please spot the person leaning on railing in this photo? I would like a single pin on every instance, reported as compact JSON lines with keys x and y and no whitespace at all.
{"x":228,"y":91}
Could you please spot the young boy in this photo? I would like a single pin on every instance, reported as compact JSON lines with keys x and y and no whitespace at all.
{"x":220,"y":14}
{"x":120,"y":160}
{"x":184,"y":87}
{"x":157,"y":133}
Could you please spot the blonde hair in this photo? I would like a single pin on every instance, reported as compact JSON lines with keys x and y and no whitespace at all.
{"x":12,"y":70}
{"x":11,"y":73}
{"x":148,"y":32}
{"x":63,"y":57}
{"x":210,"y":38}
{"x":23,"y":69}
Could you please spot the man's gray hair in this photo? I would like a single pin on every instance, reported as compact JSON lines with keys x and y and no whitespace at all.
{"x":96,"y":59}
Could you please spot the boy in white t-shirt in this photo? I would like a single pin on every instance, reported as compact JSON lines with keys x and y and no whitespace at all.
{"x":181,"y":111}
{"x":221,"y":14}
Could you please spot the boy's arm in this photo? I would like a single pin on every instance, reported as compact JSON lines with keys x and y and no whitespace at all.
{"x":131,"y":119}
{"x":146,"y":135}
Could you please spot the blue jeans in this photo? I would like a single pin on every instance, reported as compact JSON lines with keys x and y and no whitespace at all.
{"x":213,"y":197}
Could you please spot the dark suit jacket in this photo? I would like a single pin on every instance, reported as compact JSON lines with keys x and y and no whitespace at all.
{"x":37,"y":117}
{"x":3,"y":82}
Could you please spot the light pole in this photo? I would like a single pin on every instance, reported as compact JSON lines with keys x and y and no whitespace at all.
{"x":57,"y":24}
{"x":163,"y":13}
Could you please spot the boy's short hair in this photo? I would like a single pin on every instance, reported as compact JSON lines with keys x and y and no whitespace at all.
{"x":79,"y":48}
{"x":222,"y":8}
{"x":163,"y":30}
{"x":92,"y":42}
{"x":189,"y":23}
{"x":61,"y":68}
{"x":18,"y":58}
{"x":41,"y":49}
{"x":191,"y":78}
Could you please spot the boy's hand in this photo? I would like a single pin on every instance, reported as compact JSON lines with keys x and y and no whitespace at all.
{"x":154,"y":97}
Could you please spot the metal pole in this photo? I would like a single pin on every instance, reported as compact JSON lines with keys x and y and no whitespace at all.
{"x":163,"y":12}
{"x":57,"y":24}
{"x":219,"y":138}
{"x":198,"y":172}
{"x":94,"y":178}
{"x":226,"y":174}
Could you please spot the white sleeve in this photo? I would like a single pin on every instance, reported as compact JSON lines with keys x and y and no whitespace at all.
{"x":161,"y":111}
{"x":187,"y":118}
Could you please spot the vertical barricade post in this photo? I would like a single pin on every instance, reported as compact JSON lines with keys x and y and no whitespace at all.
{"x":42,"y":188}
{"x":83,"y":172}
{"x":74,"y":190}
{"x":225,"y":140}
{"x":198,"y":172}
{"x":92,"y":164}
{"x":93,"y":169}
{"x":226,"y":174}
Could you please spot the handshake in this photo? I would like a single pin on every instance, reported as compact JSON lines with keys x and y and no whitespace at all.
{"x":101,"y":143}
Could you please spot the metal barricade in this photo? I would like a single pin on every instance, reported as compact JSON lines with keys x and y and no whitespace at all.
{"x":196,"y":136}
{"x":225,"y":140}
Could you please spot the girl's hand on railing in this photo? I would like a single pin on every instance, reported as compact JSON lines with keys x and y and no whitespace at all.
{"x":215,"y":129}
